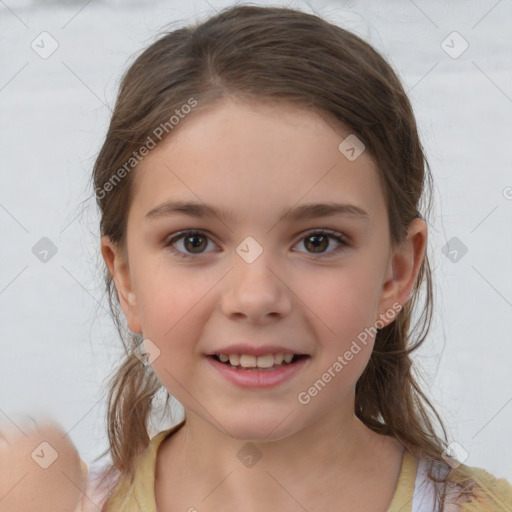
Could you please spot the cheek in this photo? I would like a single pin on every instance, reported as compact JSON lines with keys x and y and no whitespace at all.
{"x":342,"y":302}
{"x":337,"y":379}
{"x":172,"y":322}
{"x":342,"y":310}
{"x":169,"y":298}
{"x":174,"y":306}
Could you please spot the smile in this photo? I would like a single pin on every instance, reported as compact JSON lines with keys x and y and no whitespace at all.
{"x":251,"y":361}
{"x":264,"y":371}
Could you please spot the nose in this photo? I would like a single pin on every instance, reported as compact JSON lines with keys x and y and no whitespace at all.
{"x":256,"y":292}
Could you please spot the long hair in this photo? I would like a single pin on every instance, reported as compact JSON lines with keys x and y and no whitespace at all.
{"x":277,"y":54}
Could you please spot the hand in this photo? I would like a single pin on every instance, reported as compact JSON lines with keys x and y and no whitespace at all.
{"x":39,"y":468}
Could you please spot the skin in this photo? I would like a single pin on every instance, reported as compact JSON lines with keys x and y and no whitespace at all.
{"x":258,"y":159}
{"x":39,"y":468}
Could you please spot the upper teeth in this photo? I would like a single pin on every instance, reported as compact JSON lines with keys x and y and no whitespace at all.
{"x":250,"y":361}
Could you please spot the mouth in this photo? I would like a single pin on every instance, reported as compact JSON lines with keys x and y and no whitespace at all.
{"x":265,"y":363}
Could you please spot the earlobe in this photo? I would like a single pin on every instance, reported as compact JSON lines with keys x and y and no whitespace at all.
{"x":404,"y":266}
{"x":118,"y":267}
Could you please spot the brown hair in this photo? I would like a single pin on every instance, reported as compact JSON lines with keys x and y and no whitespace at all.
{"x":278,"y":54}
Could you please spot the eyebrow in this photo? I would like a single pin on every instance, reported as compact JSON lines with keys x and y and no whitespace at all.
{"x":301,"y":212}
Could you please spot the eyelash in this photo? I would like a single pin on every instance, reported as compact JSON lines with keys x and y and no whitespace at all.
{"x":339,"y":237}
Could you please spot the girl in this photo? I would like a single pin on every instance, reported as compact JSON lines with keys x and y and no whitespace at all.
{"x":263,"y":192}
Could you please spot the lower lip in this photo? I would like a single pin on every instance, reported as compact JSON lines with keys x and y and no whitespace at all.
{"x":252,"y":378}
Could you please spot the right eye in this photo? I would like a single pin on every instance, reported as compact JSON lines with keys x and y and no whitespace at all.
{"x":191,"y":240}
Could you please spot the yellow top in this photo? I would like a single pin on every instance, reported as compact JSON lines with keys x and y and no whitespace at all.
{"x":493,"y":495}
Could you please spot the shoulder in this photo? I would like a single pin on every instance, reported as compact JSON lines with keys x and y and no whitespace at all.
{"x":473,"y":489}
{"x":99,"y":483}
{"x":467,"y":489}
{"x":105,"y":481}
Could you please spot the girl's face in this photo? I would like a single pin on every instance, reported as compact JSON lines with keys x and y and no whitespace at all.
{"x":256,"y":277}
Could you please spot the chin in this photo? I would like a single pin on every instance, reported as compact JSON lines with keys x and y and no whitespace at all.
{"x":259,"y":428}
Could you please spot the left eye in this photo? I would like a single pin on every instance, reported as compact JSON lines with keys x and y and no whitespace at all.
{"x":194,"y":242}
{"x":320,"y":240}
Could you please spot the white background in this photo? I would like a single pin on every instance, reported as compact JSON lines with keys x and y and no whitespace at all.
{"x":58,"y":344}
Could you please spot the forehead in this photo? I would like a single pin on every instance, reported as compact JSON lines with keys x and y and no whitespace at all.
{"x":256,"y":158}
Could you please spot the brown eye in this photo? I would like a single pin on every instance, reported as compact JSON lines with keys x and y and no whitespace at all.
{"x":317,"y":242}
{"x":188,"y":243}
{"x":194,"y":243}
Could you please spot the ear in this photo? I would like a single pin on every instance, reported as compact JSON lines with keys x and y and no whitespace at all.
{"x":402,"y":270}
{"x":117,"y":264}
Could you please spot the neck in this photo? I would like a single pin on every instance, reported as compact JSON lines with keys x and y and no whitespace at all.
{"x":336,"y":452}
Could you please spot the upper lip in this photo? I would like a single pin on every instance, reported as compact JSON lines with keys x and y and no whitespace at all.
{"x":254,"y":351}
